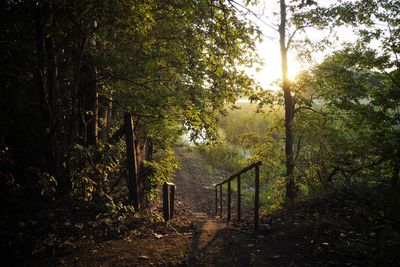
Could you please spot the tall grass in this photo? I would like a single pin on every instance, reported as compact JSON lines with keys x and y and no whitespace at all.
{"x":247,"y":137}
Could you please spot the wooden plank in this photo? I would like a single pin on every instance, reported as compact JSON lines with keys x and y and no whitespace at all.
{"x":257,"y":198}
{"x":131,"y":162}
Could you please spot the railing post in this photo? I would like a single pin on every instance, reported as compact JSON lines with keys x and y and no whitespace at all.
{"x":172,"y":201}
{"x":216,"y":199}
{"x":257,"y":197}
{"x":256,"y":167}
{"x":220,"y":199}
{"x":166,"y":204}
{"x":229,"y":201}
{"x":239,"y":199}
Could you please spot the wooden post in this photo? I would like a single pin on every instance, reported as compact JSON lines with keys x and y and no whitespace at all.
{"x":257,"y":198}
{"x":166,"y":202}
{"x":229,"y":201}
{"x":239,"y":200}
{"x":131,"y":162}
{"x":216,"y":199}
{"x":172,"y":201}
{"x":220,"y":199}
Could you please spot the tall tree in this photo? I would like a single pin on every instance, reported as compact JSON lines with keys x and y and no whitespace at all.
{"x":171,"y":64}
{"x":289,"y":104}
{"x":303,"y":15}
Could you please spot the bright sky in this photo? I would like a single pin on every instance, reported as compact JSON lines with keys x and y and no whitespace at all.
{"x":269,"y":51}
{"x":271,"y":71}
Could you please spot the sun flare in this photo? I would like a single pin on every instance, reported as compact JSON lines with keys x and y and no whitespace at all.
{"x":271,"y":73}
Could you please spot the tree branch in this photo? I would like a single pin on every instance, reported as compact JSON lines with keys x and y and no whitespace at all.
{"x":298,"y":147}
{"x":309,"y":108}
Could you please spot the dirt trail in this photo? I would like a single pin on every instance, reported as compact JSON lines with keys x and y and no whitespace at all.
{"x":214,"y":242}
{"x":193,"y":238}
{"x":194,"y":183}
{"x":336,"y":231}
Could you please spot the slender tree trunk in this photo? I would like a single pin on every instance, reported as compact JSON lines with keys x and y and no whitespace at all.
{"x":132,"y":178}
{"x":75,"y":121}
{"x":47,"y":81}
{"x":103,"y":116}
{"x":89,"y":106}
{"x":109,"y":115}
{"x":40,"y":53}
{"x":396,"y":168}
{"x":55,"y":125}
{"x":144,"y":152}
{"x":93,"y":108}
{"x":289,"y":108}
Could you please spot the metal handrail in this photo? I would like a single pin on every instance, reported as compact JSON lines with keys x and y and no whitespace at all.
{"x":256,"y":167}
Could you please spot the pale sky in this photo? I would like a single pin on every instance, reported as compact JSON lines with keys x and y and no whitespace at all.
{"x":269,"y":51}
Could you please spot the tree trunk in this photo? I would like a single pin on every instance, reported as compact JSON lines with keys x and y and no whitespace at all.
{"x":132,"y":179}
{"x":144,"y":152}
{"x":93,"y":108}
{"x":289,"y":108}
{"x":89,"y":104}
{"x":396,"y":168}
{"x":57,"y":144}
{"x":103,"y":117}
{"x":47,"y":81}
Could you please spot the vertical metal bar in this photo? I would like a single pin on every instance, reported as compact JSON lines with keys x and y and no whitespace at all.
{"x":239,"y":200}
{"x":257,"y":198}
{"x":171,"y":201}
{"x":229,"y":201}
{"x":166,"y":206}
{"x":220,"y":199}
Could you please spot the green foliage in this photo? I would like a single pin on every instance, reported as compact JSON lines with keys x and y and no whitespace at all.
{"x":243,"y":121}
{"x":221,"y":153}
{"x":48,"y":184}
{"x":118,"y":211}
{"x":173,"y":65}
{"x":185,"y":64}
{"x":42,"y":182}
{"x":364,"y":98}
{"x":178,"y":66}
{"x":162,"y":169}
{"x":249,"y":136}
{"x":97,"y":170}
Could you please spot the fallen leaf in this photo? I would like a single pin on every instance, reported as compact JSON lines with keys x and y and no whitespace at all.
{"x":158,"y":236}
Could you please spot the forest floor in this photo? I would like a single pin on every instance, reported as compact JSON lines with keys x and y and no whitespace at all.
{"x":345,"y":229}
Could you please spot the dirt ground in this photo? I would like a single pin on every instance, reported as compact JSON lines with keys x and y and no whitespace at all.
{"x":341,"y":230}
{"x":195,"y":237}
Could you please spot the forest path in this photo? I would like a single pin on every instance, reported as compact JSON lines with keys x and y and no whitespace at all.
{"x":194,"y":183}
{"x":194,"y":237}
{"x":332,"y":232}
{"x":214,"y":241}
